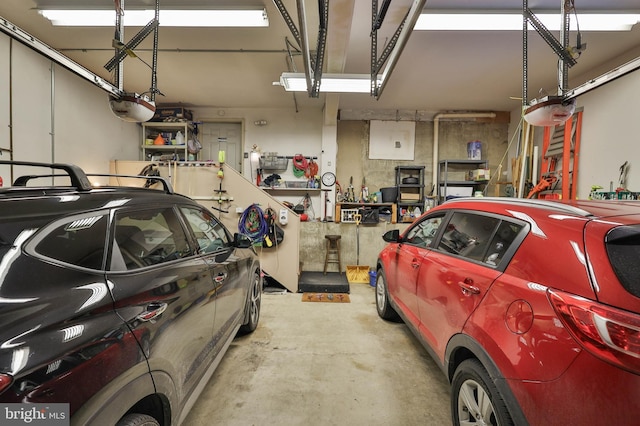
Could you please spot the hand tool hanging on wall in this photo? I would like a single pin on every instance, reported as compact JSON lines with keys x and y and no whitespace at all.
{"x":220,"y":197}
{"x":622,"y":181}
{"x":364,"y":192}
{"x":350,"y":196}
{"x":339,"y":193}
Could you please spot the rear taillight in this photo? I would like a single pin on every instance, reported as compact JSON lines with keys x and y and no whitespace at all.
{"x":608,"y":333}
{"x":5,"y":382}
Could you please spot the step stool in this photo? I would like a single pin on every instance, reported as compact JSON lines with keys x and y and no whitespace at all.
{"x":332,"y":253}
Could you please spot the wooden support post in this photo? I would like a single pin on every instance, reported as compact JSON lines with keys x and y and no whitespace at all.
{"x":576,"y":156}
{"x":566,"y":159}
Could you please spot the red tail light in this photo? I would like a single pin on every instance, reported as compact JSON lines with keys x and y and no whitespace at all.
{"x":5,"y":382}
{"x":608,"y":333}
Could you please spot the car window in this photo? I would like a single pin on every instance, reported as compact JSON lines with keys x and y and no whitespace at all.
{"x":422,"y":233}
{"x":623,"y":248}
{"x":501,"y":241}
{"x":209,"y":233}
{"x":78,"y":241}
{"x":468,"y":235}
{"x":147,"y":237}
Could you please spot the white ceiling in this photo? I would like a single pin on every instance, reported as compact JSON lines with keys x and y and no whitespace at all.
{"x":437,"y":71}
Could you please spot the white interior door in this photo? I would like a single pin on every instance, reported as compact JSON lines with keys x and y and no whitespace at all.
{"x":216,"y":137}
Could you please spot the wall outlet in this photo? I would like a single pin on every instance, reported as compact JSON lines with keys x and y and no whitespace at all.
{"x":283,"y":217}
{"x":239,"y":210}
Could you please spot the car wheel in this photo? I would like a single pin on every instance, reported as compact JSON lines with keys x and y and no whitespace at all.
{"x":475,"y":399}
{"x":138,"y":420}
{"x":382,"y":298}
{"x":253,"y":306}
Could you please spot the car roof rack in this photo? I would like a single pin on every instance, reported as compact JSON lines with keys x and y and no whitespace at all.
{"x":79,"y":179}
{"x":166,"y":185}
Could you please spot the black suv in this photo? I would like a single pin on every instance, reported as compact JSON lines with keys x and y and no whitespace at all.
{"x":118,"y":301}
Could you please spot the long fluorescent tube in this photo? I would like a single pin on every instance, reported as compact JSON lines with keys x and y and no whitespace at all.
{"x":335,"y":83}
{"x":168,"y":18}
{"x":513,"y":21}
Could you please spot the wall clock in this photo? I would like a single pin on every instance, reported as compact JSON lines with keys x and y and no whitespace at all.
{"x":328,"y":179}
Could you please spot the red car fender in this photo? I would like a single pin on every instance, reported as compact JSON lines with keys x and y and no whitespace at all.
{"x":527,"y":343}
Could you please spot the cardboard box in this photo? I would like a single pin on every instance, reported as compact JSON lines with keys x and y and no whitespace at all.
{"x":479,"y":174}
{"x":409,"y":196}
{"x":172,"y":113}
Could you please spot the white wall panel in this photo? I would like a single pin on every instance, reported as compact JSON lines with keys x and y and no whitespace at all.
{"x":4,"y":106}
{"x":610,"y":135}
{"x":4,"y":88}
{"x":31,"y":104}
{"x":86,"y":131}
{"x":58,"y":116}
{"x":391,"y":140}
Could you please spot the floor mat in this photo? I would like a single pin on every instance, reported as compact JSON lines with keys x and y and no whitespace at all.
{"x":318,"y":282}
{"x":326,"y":297}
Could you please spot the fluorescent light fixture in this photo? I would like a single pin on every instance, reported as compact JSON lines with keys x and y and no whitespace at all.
{"x":335,"y":83}
{"x":513,"y":21}
{"x":168,"y":18}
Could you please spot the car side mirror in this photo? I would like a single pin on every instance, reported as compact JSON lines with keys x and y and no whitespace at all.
{"x":392,"y":236}
{"x":241,"y":241}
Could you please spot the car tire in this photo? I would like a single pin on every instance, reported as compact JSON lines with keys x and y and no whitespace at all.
{"x":384,"y":308}
{"x":475,"y":398}
{"x":138,"y":420}
{"x":253,"y":306}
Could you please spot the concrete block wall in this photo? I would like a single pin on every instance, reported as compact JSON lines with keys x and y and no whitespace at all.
{"x":353,"y":149}
{"x":313,"y":243}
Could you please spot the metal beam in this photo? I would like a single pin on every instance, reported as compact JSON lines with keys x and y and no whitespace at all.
{"x":390,"y":46}
{"x":323,"y":6}
{"x":546,"y":35}
{"x":403,"y":37}
{"x":135,"y":41}
{"x":313,"y":64}
{"x":605,"y":78}
{"x":304,"y":39}
{"x":288,"y":20}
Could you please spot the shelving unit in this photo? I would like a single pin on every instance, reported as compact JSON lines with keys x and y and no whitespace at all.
{"x":151,"y":129}
{"x":452,"y":178}
{"x":340,"y":207}
{"x":410,"y":195}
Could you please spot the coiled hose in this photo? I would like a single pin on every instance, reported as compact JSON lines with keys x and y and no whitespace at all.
{"x":253,"y":224}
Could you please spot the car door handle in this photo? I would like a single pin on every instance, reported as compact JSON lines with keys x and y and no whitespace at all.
{"x":468,"y":288}
{"x":153,"y":311}
{"x":415,"y":264}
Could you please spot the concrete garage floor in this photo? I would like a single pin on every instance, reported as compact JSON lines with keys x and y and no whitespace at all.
{"x":324,"y":364}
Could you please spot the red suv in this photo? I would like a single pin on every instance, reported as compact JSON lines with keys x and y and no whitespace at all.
{"x":531,"y":307}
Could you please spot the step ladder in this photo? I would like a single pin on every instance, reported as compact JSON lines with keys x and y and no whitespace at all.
{"x":561,"y":147}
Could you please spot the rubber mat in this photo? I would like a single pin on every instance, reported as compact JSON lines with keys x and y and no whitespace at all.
{"x":318,"y":282}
